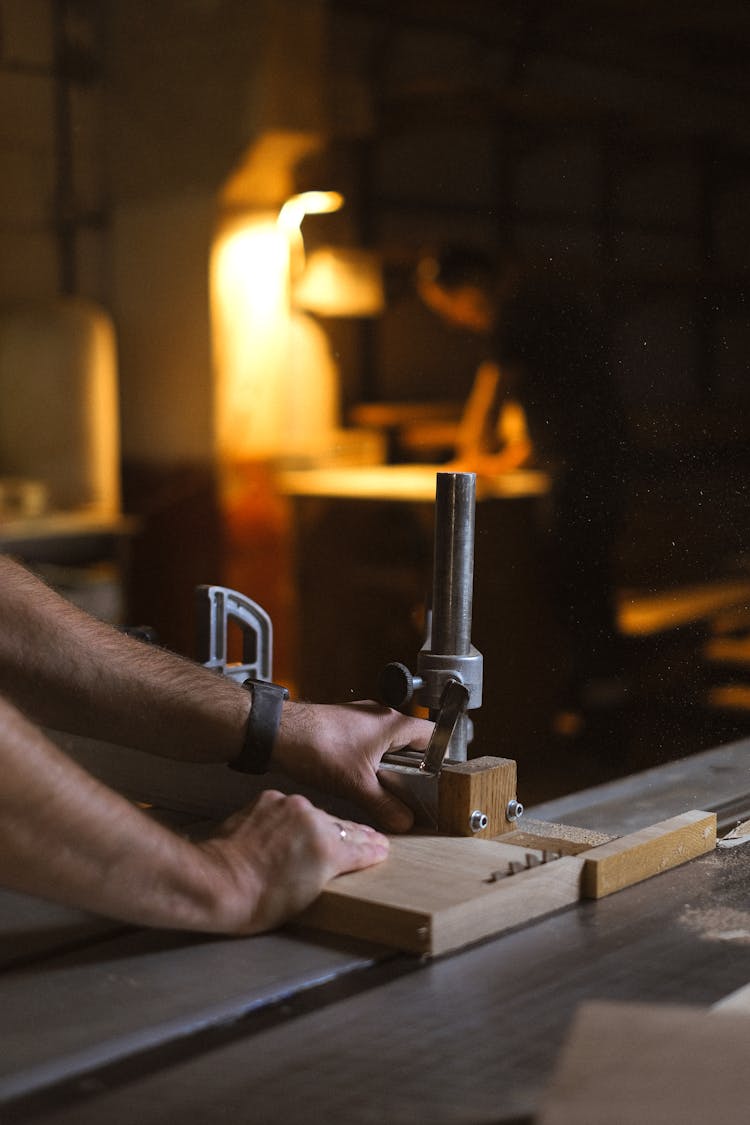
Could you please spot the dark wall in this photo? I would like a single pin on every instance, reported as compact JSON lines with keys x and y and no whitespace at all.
{"x":610,"y":142}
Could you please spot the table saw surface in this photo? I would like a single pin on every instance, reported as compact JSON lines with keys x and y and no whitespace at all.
{"x":102,"y":1022}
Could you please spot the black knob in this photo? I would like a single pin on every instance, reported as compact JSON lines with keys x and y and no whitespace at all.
{"x":397,"y":685}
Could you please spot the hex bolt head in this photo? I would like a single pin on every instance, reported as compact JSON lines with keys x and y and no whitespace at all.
{"x":514,"y":810}
{"x":478,"y":821}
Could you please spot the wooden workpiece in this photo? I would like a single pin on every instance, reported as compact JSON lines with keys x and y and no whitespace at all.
{"x":483,"y":784}
{"x":629,"y":860}
{"x":612,"y":863}
{"x":435,"y":894}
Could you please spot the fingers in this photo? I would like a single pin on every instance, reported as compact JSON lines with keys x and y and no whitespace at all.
{"x":391,"y":813}
{"x":394,"y":815}
{"x":400,"y":730}
{"x":339,"y":748}
{"x":332,"y":846}
{"x":356,"y":845}
{"x":339,"y":845}
{"x":413,"y":732}
{"x":397,"y":731}
{"x":344,"y":844}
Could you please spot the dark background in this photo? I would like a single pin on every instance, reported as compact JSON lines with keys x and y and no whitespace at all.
{"x":610,"y":140}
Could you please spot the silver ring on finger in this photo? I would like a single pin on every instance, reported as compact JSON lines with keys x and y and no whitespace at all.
{"x":341,"y":830}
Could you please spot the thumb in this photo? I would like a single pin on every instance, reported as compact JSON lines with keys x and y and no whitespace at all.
{"x":391,"y":813}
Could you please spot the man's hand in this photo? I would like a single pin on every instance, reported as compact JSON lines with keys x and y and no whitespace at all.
{"x":65,"y":836}
{"x":271,"y":860}
{"x":338,"y":748}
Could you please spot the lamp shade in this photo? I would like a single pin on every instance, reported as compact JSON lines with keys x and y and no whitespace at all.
{"x":340,"y":281}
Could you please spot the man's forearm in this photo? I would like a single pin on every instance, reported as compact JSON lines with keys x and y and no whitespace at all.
{"x":73,"y":673}
{"x":65,"y":836}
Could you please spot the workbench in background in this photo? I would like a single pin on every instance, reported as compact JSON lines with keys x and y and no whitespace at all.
{"x":85,"y":554}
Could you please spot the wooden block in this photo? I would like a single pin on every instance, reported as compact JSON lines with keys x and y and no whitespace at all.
{"x":482,"y":784}
{"x":630,"y":859}
{"x":435,"y":894}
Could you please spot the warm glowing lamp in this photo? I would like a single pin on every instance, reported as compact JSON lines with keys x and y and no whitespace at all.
{"x":290,"y":220}
{"x":340,"y":281}
{"x":276,"y":382}
{"x":308,"y":203}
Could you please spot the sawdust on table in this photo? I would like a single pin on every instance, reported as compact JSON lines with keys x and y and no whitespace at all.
{"x":718,"y":923}
{"x":565,"y":838}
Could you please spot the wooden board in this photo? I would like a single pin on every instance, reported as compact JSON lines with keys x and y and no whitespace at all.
{"x":641,"y":1064}
{"x":435,"y":894}
{"x":630,"y":859}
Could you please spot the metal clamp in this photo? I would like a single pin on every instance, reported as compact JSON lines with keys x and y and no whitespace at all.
{"x":217,"y":607}
{"x":447,"y":655}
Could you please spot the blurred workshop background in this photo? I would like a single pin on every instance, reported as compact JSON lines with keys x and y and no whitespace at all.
{"x":215,"y":365}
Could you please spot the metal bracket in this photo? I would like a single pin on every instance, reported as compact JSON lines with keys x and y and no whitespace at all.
{"x":216,"y":608}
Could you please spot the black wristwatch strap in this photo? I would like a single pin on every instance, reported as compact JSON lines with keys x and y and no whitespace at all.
{"x":262,"y":726}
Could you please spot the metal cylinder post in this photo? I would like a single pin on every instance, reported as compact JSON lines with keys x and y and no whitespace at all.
{"x":453,"y":580}
{"x":453,"y":564}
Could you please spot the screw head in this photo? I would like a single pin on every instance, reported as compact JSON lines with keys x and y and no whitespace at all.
{"x":514,"y":810}
{"x":478,"y":821}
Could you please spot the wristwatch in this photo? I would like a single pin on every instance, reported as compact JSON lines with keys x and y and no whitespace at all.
{"x":262,"y":726}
